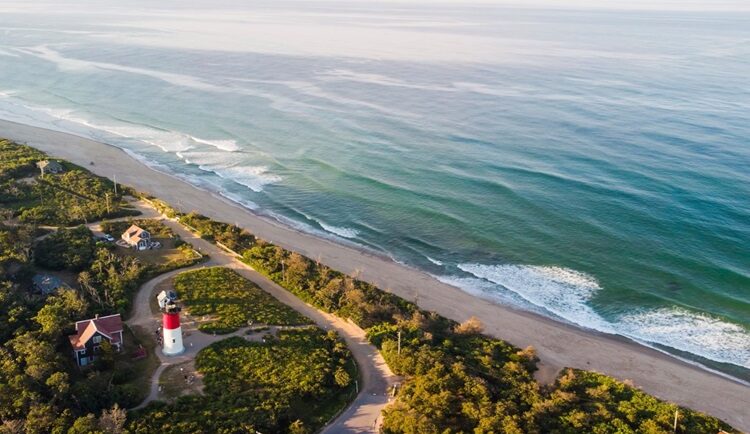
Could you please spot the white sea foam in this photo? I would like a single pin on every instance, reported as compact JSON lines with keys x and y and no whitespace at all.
{"x":278,"y":102}
{"x":566,"y":293}
{"x":227,"y":166}
{"x":434,"y":261}
{"x":224,"y":145}
{"x":239,"y":200}
{"x":338,"y":230}
{"x":693,"y":332}
{"x":487,"y":290}
{"x":561,"y":291}
{"x":8,"y":53}
{"x":167,"y":141}
{"x":146,"y":161}
{"x":253,"y":177}
{"x":368,"y":78}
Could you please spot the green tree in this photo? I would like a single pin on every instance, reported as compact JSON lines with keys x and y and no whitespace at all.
{"x":85,"y":425}
{"x":298,"y":427}
{"x":59,"y":311}
{"x":67,"y":248}
{"x":112,"y":421}
{"x":341,"y":377}
{"x":59,"y":384}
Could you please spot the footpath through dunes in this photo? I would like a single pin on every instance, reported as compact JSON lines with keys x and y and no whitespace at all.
{"x":361,"y":416}
{"x":558,"y":345}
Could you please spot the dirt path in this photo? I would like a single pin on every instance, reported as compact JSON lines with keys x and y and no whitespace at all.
{"x":376,"y":379}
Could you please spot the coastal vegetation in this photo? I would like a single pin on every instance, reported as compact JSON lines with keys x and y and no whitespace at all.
{"x":230,"y":236}
{"x":107,"y":275}
{"x":41,"y":388}
{"x":72,"y":197}
{"x":66,"y":249}
{"x":456,"y":379}
{"x":230,"y":301}
{"x":291,"y":384}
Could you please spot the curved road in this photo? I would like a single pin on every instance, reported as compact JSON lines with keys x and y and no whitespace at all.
{"x":376,"y":379}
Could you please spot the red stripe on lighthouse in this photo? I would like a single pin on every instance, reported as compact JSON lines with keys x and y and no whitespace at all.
{"x":171,"y":321}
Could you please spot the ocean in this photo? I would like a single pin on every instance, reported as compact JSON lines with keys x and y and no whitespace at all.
{"x":589,"y":164}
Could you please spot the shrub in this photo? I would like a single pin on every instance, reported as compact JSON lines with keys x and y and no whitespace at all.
{"x":284,"y":385}
{"x":231,"y":301}
{"x":67,"y":248}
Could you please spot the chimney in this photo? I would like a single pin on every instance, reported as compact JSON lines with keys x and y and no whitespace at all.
{"x":96,"y":316}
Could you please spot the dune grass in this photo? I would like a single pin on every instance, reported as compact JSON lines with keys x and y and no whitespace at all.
{"x":230,"y":301}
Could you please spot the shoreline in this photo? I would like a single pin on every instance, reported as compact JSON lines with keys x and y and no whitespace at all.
{"x":558,"y":344}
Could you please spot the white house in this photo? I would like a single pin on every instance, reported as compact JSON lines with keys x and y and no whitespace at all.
{"x":137,"y":238}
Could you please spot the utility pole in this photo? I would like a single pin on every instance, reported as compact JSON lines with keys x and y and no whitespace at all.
{"x":107,"y":196}
{"x":676,"y":413}
{"x":399,"y":343}
{"x":283,"y":271}
{"x":114,"y":176}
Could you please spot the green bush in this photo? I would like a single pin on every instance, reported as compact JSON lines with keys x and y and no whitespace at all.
{"x":17,"y":161}
{"x":231,"y":236}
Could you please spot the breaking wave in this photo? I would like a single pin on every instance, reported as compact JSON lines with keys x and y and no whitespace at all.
{"x":566,"y":293}
{"x":224,"y":145}
{"x":561,"y":291}
{"x":434,"y":261}
{"x":338,"y":230}
{"x":693,"y":332}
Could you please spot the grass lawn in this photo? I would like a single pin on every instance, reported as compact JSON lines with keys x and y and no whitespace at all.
{"x":230,"y":301}
{"x":168,"y":253}
{"x":172,"y":254}
{"x":173,"y":384}
{"x":137,"y":373}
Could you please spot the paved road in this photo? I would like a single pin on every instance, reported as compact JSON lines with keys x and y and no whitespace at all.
{"x":375,"y":378}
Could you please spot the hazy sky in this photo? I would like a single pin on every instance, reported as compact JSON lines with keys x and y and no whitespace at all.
{"x":675,"y":5}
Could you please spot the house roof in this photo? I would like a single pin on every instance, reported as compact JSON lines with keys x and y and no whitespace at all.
{"x":47,"y":283}
{"x":135,"y":233}
{"x":109,"y":326}
{"x":52,"y":164}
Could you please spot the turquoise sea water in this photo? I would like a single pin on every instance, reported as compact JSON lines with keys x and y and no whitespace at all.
{"x":590,"y":165}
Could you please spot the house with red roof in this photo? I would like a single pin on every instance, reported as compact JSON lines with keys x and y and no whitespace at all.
{"x":91,"y":333}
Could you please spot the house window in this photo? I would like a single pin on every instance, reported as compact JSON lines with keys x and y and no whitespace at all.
{"x":97,"y":339}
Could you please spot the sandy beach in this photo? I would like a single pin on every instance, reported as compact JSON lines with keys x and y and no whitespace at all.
{"x":558,"y":345}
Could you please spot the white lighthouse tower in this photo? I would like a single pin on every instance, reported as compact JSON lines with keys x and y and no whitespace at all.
{"x":172,"y":331}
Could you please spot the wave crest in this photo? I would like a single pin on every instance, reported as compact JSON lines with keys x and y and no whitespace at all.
{"x":566,"y":293}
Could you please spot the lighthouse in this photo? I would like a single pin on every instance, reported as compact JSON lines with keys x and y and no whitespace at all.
{"x":172,"y":331}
